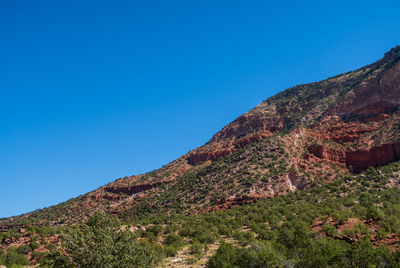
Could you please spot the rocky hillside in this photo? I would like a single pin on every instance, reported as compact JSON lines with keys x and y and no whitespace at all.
{"x":303,"y":137}
{"x":308,"y":178}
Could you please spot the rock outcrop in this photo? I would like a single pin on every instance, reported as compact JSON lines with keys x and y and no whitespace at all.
{"x":327,"y":153}
{"x":131,"y":189}
{"x":361,"y":159}
{"x":212,"y":153}
{"x":377,"y":156}
{"x":200,"y":157}
{"x":378,"y":94}
{"x":252,"y":121}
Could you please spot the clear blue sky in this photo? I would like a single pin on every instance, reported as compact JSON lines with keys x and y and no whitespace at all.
{"x":91,"y":91}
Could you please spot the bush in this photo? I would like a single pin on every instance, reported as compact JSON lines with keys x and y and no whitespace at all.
{"x":34,"y":245}
{"x":2,"y":258}
{"x":170,"y":250}
{"x":244,"y":238}
{"x":53,"y":259}
{"x":329,"y":230}
{"x":155,"y":229}
{"x":13,"y":257}
{"x":173,"y":239}
{"x":196,"y":248}
{"x":23,"y":249}
{"x":101,"y":243}
{"x":257,"y":255}
{"x":206,"y":237}
{"x":225,"y":257}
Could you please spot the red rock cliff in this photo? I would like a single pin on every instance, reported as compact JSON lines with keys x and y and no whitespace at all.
{"x":359,"y":160}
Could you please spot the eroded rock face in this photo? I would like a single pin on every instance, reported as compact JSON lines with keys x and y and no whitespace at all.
{"x":130,"y":189}
{"x":341,"y":132}
{"x":250,"y":139}
{"x":364,"y":141}
{"x":376,"y":95}
{"x":327,"y":153}
{"x":371,"y":94}
{"x":220,"y":150}
{"x":200,"y":157}
{"x":250,"y":122}
{"x":377,"y":156}
{"x":359,"y":160}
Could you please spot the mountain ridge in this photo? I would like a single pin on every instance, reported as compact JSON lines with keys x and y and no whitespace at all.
{"x":287,"y":142}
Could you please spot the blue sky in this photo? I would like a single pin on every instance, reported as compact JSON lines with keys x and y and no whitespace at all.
{"x":91,"y":91}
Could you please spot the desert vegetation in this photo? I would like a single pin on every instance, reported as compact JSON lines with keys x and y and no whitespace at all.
{"x":353,"y":221}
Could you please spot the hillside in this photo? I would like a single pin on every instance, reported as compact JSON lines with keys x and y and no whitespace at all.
{"x":313,"y":147}
{"x":302,"y":136}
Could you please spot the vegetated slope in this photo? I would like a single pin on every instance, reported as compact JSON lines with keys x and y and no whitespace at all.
{"x":353,"y":221}
{"x":302,"y":137}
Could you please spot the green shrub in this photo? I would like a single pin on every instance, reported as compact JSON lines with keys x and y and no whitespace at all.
{"x":244,"y":238}
{"x":24,"y":249}
{"x":34,"y":245}
{"x":13,"y":257}
{"x":329,"y":230}
{"x":173,"y":239}
{"x":206,"y":237}
{"x":155,"y":229}
{"x":101,"y":243}
{"x":2,"y":257}
{"x":225,"y":257}
{"x":170,"y":250}
{"x":196,"y":248}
